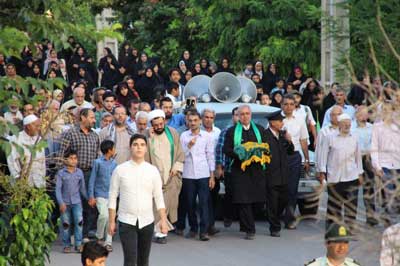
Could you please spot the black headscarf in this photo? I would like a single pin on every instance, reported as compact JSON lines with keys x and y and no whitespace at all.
{"x":274,"y":103}
{"x":145,"y":86}
{"x":124,"y":100}
{"x":270,"y":79}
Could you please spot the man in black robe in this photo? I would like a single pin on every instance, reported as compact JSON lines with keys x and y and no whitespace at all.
{"x":248,"y":186}
{"x":277,"y":171}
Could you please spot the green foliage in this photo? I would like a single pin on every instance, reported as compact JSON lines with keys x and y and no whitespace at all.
{"x":283,"y":32}
{"x":364,"y":26}
{"x":52,"y":19}
{"x":26,"y":234}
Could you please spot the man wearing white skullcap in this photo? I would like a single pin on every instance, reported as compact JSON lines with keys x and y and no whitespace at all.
{"x":341,"y":167}
{"x":165,"y":152}
{"x":18,"y":163}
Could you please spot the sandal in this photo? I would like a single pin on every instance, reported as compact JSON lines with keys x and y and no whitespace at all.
{"x":67,"y":250}
{"x":109,"y":248}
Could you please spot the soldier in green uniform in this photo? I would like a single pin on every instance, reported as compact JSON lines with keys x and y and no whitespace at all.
{"x":337,"y":248}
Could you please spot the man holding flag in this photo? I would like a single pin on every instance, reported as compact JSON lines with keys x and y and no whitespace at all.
{"x":245,"y":144}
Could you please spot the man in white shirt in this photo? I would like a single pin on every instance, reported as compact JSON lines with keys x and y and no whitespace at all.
{"x":385,"y":155}
{"x":78,"y":100}
{"x":304,"y":111}
{"x":207,"y":121}
{"x":137,"y":183}
{"x":27,"y":166}
{"x":198,"y":174}
{"x":296,"y":129}
{"x":324,"y":134}
{"x":341,"y":157}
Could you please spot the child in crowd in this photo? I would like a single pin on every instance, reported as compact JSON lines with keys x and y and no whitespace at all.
{"x":94,"y":254}
{"x":99,"y":185}
{"x":70,"y":186}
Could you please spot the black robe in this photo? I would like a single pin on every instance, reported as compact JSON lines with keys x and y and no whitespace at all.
{"x":278,"y":169}
{"x":248,"y":186}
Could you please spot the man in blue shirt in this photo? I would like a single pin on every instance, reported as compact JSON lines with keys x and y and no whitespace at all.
{"x":173,"y":120}
{"x":340,"y":99}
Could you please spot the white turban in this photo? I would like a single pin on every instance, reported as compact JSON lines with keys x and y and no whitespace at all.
{"x":155,"y":114}
{"x":29,"y":119}
{"x":344,"y":116}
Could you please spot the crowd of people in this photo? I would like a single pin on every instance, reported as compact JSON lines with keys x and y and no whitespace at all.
{"x":122,"y":130}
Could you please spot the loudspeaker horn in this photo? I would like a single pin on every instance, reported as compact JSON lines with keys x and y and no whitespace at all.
{"x":225,"y":87}
{"x":249,"y":90}
{"x":198,"y":87}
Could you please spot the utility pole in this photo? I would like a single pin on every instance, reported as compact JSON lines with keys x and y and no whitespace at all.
{"x":335,"y":42}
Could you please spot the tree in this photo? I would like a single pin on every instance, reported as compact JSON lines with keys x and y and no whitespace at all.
{"x":283,"y":32}
{"x":26,"y":235}
{"x":364,"y":26}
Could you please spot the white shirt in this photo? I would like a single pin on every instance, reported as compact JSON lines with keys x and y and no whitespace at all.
{"x":297,"y":128}
{"x":16,"y":163}
{"x":214,"y":133}
{"x":364,"y":135}
{"x":390,"y":255}
{"x":323,"y":136}
{"x":341,"y":156}
{"x":385,"y":148}
{"x":136,"y":185}
{"x":72,"y":102}
{"x":305,"y":113}
{"x":200,"y":158}
{"x":323,"y":261}
{"x":10,"y":116}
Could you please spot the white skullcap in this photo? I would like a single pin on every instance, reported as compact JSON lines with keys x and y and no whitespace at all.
{"x":156,"y":113}
{"x":344,"y":116}
{"x":29,"y":119}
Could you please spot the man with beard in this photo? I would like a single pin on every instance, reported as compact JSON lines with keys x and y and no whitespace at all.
{"x":172,"y":120}
{"x":249,"y":185}
{"x":165,"y":152}
{"x":85,"y":141}
{"x":119,"y":133}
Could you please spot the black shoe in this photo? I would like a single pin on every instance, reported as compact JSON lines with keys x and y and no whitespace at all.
{"x":372,"y":221}
{"x":227,"y":223}
{"x":213,"y":231}
{"x":250,"y":236}
{"x":204,"y":237}
{"x":160,"y":240}
{"x":191,"y":234}
{"x":275,"y":234}
{"x":291,"y":226}
{"x":179,"y":232}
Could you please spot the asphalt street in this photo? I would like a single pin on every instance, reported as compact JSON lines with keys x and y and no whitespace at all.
{"x":294,"y":247}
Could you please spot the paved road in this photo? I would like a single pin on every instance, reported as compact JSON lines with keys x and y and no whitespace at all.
{"x":294,"y":247}
{"x":229,"y":248}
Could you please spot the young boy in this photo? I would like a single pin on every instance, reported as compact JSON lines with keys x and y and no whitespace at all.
{"x":70,"y":186}
{"x":94,"y":254}
{"x":99,"y":185}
